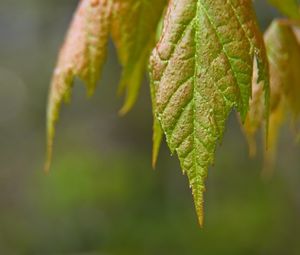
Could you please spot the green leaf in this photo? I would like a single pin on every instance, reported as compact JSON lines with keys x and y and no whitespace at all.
{"x":82,"y":55}
{"x":157,"y":129}
{"x":157,"y":138}
{"x":134,"y":29}
{"x":202,"y":68}
{"x":288,"y":7}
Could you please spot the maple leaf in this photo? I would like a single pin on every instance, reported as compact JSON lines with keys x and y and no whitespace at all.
{"x":134,"y":27}
{"x":255,"y":116}
{"x":82,"y":55}
{"x":283,"y":50}
{"x":201,"y":69}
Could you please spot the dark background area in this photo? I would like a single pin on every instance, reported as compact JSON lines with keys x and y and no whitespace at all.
{"x":102,"y":197}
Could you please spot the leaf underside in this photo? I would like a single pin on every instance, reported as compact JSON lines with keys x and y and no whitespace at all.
{"x":201,"y":69}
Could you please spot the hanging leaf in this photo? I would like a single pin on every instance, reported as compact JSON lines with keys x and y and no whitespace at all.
{"x":82,"y":55}
{"x":255,"y":116}
{"x":133,"y":24}
{"x":297,"y":33}
{"x":134,"y":29}
{"x":284,"y":56}
{"x":283,"y":50}
{"x":202,"y":68}
{"x":157,"y":129}
{"x":288,"y":7}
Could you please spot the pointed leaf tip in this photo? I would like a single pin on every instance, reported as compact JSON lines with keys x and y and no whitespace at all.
{"x":157,"y":138}
{"x":199,"y":204}
{"x":82,"y":55}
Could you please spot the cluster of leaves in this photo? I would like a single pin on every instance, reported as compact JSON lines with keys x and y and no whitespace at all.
{"x":132,"y":25}
{"x":200,"y":70}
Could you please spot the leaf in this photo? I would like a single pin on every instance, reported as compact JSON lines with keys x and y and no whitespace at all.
{"x":255,"y":116}
{"x":277,"y":117}
{"x":283,"y":50}
{"x":82,"y":55}
{"x":157,"y":129}
{"x":134,"y":29}
{"x":133,"y":24}
{"x":202,"y":68}
{"x":297,"y":33}
{"x":287,"y":7}
{"x":284,"y":56}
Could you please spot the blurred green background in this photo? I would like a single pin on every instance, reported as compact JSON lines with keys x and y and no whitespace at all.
{"x":102,"y":197}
